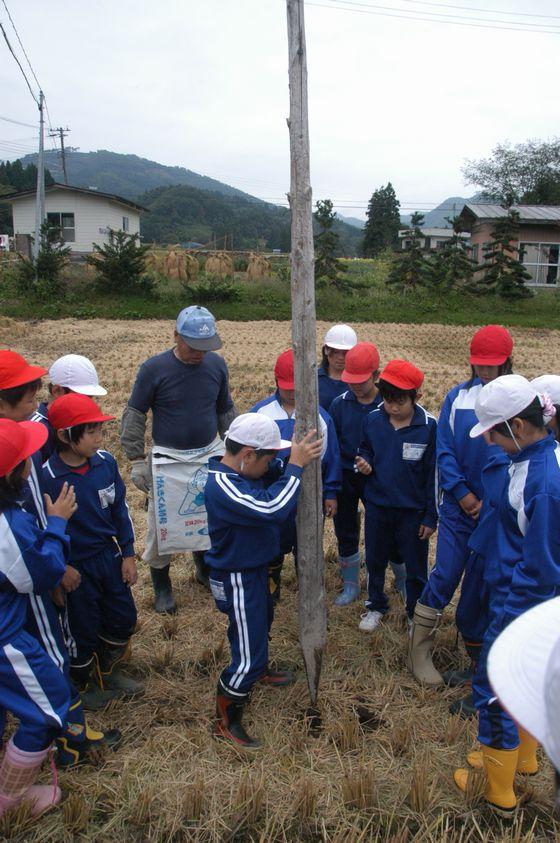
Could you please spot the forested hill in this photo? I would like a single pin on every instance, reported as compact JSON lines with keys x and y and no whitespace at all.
{"x":181,"y":214}
{"x":125,"y":175}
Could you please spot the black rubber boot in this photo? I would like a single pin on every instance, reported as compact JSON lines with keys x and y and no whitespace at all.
{"x":464,"y":707}
{"x":228,"y":725}
{"x":93,"y":697}
{"x":457,"y":678}
{"x":112,"y":655}
{"x":72,"y":753}
{"x":202,"y":571}
{"x":164,"y":602}
{"x":275,"y":577}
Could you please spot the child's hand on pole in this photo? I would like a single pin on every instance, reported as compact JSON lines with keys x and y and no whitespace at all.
{"x":363,"y":466}
{"x":64,"y":506}
{"x":307,"y":450}
{"x":129,"y":570}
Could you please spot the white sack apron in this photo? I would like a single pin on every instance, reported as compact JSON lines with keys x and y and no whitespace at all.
{"x":179,"y":481}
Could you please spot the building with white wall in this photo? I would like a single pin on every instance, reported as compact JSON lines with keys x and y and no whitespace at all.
{"x":85,"y":216}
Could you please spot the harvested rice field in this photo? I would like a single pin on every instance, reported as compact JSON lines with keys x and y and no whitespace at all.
{"x":381,"y":766}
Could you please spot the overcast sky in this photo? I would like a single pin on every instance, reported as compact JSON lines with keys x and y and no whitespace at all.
{"x":203,"y":84}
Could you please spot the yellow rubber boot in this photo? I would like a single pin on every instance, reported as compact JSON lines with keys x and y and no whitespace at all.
{"x":527,"y":763}
{"x":500,"y":766}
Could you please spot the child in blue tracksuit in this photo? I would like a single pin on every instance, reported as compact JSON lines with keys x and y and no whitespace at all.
{"x":397,"y":456}
{"x":101,"y":611}
{"x":245,"y":510}
{"x":521,"y":548}
{"x":460,"y":461}
{"x":280,"y":407}
{"x":32,"y":686}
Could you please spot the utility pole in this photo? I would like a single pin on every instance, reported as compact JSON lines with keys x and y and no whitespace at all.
{"x":61,"y":133}
{"x":312,"y":599}
{"x":40,"y":196}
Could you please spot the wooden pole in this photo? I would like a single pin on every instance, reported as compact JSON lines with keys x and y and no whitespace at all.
{"x":312,"y":601}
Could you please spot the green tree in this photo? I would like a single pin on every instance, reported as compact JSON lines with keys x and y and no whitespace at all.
{"x":383,"y":222}
{"x":120,"y":264}
{"x":501,"y":271}
{"x":411,"y":268}
{"x":526,"y":172}
{"x":43,"y":277}
{"x":13,"y":177}
{"x":327,"y":266}
{"x":450,"y":265}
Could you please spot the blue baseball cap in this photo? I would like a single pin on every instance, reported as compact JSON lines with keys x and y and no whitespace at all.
{"x":197,"y":327}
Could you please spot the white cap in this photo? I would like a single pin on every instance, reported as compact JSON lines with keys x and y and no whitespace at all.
{"x":257,"y":431}
{"x":549,"y":385}
{"x":342,"y":337}
{"x":76,"y":373}
{"x":500,"y":400}
{"x":524,"y":671}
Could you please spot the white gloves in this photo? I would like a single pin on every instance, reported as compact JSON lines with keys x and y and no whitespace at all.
{"x":141,"y":475}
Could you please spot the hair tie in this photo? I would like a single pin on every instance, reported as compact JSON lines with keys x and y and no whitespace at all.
{"x":549,"y":410}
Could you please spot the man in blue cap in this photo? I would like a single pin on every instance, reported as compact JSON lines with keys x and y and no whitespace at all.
{"x":187,"y":390}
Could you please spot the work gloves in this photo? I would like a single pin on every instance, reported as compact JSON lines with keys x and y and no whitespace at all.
{"x":141,"y":475}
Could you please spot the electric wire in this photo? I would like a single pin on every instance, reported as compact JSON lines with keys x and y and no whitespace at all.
{"x":18,"y":122}
{"x":10,"y":48}
{"x":488,"y":11}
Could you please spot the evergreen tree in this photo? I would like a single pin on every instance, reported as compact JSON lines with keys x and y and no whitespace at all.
{"x":120,"y":264}
{"x":450,"y":265}
{"x":383,"y":222}
{"x":44,"y":277}
{"x":411,"y":268}
{"x":502,"y":273}
{"x":326,"y":241}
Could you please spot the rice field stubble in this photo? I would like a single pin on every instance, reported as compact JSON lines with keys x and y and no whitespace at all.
{"x":381,"y":766}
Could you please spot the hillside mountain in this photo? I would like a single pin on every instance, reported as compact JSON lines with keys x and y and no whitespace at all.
{"x":180,"y":214}
{"x":435,"y":218}
{"x":126,"y":175}
{"x":357,"y":223}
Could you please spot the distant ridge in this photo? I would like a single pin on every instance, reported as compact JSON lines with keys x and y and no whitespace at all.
{"x":436,"y":218}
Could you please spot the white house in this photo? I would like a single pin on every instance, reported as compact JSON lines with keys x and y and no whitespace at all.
{"x":432,"y":238}
{"x":84,"y":215}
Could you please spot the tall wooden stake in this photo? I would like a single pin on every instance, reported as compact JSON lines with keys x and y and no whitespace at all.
{"x":312,"y":602}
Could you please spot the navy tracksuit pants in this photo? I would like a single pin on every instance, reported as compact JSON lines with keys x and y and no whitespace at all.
{"x":453,"y":559}
{"x":244,"y":596}
{"x":102,"y":606}
{"x":347,"y":518}
{"x":34,"y":690}
{"x":389,"y":530}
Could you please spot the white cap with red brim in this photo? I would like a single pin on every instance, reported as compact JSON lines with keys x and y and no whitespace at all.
{"x":500,"y":400}
{"x":524,"y":671}
{"x":257,"y":431}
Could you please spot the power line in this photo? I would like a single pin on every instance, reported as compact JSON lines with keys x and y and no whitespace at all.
{"x":20,"y":44}
{"x":18,"y":122}
{"x":18,"y":64}
{"x":370,"y":10}
{"x":489,"y":11}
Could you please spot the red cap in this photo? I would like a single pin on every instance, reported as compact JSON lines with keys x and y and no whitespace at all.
{"x":402,"y":374}
{"x":15,"y":371}
{"x":360,"y":363}
{"x":491,"y":346}
{"x":72,"y":409}
{"x":18,"y":440}
{"x":284,"y":370}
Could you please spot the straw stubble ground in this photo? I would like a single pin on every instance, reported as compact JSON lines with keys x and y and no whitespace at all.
{"x":380,"y":768}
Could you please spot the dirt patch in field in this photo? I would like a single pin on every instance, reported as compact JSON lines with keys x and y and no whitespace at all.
{"x":377,"y":762}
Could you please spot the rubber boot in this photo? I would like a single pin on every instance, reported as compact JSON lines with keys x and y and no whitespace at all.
{"x":275,"y":577}
{"x":456,"y":678}
{"x":164,"y":602}
{"x":202,"y":570}
{"x":228,"y":725}
{"x":350,"y":573}
{"x":499,"y":766}
{"x":399,"y":573}
{"x":464,"y":707}
{"x":276,"y":678}
{"x":112,"y":656}
{"x":80,"y":743}
{"x":92,"y":695}
{"x":527,"y":763}
{"x":18,"y":771}
{"x":426,"y":621}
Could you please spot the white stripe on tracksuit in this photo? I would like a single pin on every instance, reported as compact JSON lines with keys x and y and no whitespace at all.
{"x":250,"y":502}
{"x":29,"y":681}
{"x":37,"y":497}
{"x":242,"y":631}
{"x":47,"y":638}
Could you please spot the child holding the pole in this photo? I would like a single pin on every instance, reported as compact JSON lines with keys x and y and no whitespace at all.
{"x":397,"y":456}
{"x":247,"y":500}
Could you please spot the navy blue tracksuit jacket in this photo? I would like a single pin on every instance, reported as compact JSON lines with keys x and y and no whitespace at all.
{"x":400,"y":496}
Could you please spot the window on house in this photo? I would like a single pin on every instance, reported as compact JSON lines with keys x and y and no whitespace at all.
{"x":541,"y":260}
{"x":125,"y":224}
{"x":474,"y":252}
{"x":66,"y":224}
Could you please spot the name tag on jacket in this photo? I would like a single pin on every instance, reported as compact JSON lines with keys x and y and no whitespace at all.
{"x":106,"y":496}
{"x":413,"y":452}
